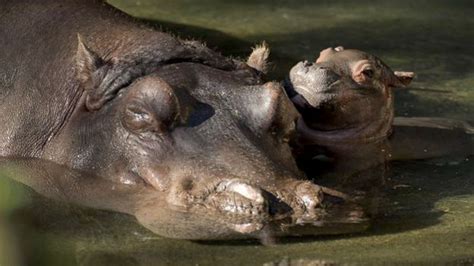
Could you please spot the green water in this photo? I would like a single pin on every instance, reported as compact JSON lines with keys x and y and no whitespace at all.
{"x":429,"y":214}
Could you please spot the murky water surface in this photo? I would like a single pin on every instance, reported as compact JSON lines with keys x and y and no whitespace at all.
{"x":429,"y":215}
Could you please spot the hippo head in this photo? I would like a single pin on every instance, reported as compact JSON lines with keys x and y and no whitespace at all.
{"x":208,"y":146}
{"x":347,"y":93}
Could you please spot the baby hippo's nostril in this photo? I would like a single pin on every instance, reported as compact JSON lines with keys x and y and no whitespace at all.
{"x":307,"y":64}
{"x":326,"y":74}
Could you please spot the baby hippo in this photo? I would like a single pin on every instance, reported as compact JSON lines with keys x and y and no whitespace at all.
{"x":345,"y":96}
{"x":345,"y":99}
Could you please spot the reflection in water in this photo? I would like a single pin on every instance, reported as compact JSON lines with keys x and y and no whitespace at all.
{"x":301,"y":262}
{"x":9,"y":200}
{"x":9,"y":250}
{"x":152,"y":210}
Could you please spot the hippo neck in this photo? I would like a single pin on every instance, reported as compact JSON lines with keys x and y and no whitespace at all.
{"x":357,"y":135}
{"x":365,"y":133}
{"x":369,"y":132}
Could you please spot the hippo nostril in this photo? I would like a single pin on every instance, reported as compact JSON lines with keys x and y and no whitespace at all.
{"x":327,"y":74}
{"x":242,"y":188}
{"x":322,"y":67}
{"x":307,"y":64}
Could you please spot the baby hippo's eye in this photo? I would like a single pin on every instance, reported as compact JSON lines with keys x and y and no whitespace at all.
{"x":369,"y":73}
{"x":363,"y":71}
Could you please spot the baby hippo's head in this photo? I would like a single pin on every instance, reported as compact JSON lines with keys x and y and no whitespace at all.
{"x":345,"y":89}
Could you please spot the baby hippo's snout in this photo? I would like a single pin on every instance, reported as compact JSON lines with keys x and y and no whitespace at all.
{"x":311,"y":79}
{"x":307,"y":63}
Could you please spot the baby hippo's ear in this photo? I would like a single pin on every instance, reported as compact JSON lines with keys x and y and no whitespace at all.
{"x":258,"y":59}
{"x":401,"y":79}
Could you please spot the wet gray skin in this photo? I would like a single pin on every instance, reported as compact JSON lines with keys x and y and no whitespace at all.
{"x":195,"y":145}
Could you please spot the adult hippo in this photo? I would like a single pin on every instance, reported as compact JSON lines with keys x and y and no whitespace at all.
{"x":102,"y":111}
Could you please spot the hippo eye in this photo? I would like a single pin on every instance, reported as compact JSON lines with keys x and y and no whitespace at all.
{"x":368,"y":73}
{"x":138,"y":120}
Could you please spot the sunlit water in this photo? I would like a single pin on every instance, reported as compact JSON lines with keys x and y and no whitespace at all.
{"x":429,"y":214}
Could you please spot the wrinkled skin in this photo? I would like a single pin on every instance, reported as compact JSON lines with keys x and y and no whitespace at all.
{"x":126,"y":118}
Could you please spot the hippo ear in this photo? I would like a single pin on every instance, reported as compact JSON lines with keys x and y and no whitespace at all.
{"x":87,"y":61}
{"x":258,"y":59}
{"x":88,"y":67}
{"x":402,"y":78}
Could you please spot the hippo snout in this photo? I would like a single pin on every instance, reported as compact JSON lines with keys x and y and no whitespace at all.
{"x":312,"y":79}
{"x":307,"y":63}
{"x":327,"y":76}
